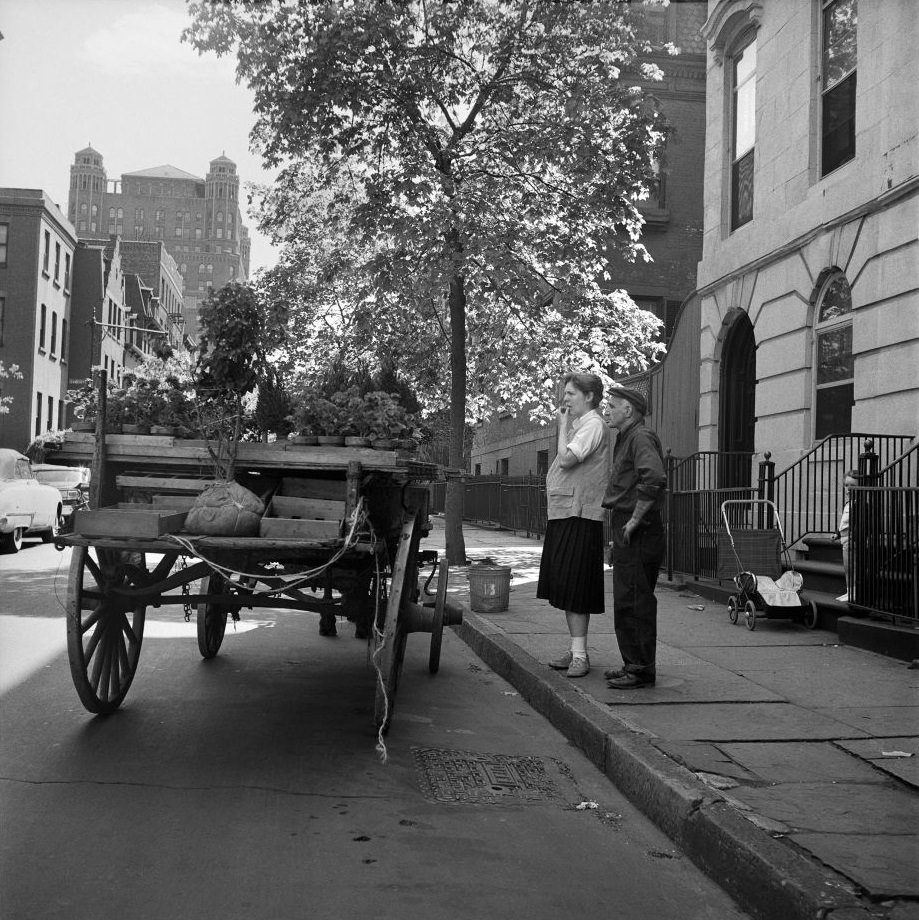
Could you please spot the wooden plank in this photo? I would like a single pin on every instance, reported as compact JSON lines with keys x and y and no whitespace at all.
{"x":162,"y":483}
{"x":174,"y":502}
{"x":179,"y":452}
{"x":304,"y":487}
{"x":298,"y":528}
{"x":126,"y":522}
{"x":286,"y":506}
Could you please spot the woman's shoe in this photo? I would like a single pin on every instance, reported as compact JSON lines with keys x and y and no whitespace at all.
{"x":579,"y":667}
{"x":562,"y":663}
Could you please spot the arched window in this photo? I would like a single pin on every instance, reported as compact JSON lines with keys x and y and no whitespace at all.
{"x":834,"y":368}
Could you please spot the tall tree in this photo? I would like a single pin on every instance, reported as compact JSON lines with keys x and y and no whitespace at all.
{"x":495,"y":151}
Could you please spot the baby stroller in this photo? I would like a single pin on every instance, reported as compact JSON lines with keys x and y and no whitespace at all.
{"x":763,"y":588}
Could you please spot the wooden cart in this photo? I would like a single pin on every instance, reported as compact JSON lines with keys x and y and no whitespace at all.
{"x":340,"y":537}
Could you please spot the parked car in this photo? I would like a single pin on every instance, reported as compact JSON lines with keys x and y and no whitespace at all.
{"x":71,"y":481}
{"x":27,"y":506}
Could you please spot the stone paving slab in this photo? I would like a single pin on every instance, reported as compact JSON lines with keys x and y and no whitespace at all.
{"x":873,"y":751}
{"x":728,"y":721}
{"x":801,"y":761}
{"x":836,"y":807}
{"x":885,"y":865}
{"x":882,"y":721}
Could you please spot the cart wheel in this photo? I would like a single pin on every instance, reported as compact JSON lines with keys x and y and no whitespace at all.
{"x":732,"y":608}
{"x":811,"y":616}
{"x":437,"y":630}
{"x":749,"y":610}
{"x":104,"y":631}
{"x":390,"y":652}
{"x":212,"y":618}
{"x":11,"y":542}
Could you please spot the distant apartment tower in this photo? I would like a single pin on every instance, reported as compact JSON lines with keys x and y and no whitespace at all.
{"x":198,"y":220}
{"x":36,"y":272}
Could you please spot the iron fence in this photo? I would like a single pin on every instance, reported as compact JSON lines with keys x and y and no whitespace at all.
{"x":883,"y":575}
{"x":809,"y":493}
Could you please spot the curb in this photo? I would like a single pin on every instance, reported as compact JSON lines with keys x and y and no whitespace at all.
{"x":769,"y":878}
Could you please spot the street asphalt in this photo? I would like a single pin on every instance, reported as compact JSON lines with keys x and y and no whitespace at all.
{"x":782,"y":763}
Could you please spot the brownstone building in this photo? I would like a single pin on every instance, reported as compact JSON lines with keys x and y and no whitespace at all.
{"x":197,"y":220}
{"x":37,"y":246}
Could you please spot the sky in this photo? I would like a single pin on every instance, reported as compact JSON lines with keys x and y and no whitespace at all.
{"x":114,"y":74}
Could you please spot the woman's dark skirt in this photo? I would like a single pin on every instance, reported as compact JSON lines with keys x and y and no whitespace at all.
{"x":571,"y":570}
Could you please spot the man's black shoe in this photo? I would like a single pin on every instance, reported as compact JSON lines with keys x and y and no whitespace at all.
{"x":629,"y":681}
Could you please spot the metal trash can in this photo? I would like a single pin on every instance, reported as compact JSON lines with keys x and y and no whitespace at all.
{"x":489,"y":588}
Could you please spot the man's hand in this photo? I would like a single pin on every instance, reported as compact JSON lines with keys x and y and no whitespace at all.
{"x":631,"y":525}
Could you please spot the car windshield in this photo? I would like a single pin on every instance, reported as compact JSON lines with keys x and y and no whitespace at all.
{"x":66,"y":478}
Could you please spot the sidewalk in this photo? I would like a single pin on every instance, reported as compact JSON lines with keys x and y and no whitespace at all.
{"x":783,"y":764}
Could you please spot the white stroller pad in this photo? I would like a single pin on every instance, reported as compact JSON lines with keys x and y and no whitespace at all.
{"x":782,"y":592}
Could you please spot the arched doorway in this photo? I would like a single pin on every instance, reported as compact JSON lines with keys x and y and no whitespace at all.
{"x":737,"y":419}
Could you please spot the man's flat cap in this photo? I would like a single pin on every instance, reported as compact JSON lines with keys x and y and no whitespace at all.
{"x":636,"y":398}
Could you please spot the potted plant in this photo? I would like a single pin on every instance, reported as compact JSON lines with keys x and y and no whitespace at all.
{"x":330,"y":421}
{"x":82,"y":401}
{"x":387,"y":419}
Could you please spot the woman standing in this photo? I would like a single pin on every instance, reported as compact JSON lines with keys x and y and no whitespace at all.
{"x":571,"y":570}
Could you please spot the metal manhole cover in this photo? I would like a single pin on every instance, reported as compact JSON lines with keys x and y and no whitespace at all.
{"x":468,"y":777}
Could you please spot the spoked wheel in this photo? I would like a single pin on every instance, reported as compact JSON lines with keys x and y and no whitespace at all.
{"x":104,"y":630}
{"x":811,"y":616}
{"x":749,"y":610}
{"x":212,"y":617}
{"x":54,"y":530}
{"x":390,"y":652}
{"x":437,"y":630}
{"x":732,"y":608}
{"x":11,"y":542}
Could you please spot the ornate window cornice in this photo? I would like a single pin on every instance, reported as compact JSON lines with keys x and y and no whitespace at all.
{"x":727,"y":21}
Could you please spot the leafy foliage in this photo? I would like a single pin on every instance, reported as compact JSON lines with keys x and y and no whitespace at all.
{"x":8,"y":373}
{"x":496,"y":142}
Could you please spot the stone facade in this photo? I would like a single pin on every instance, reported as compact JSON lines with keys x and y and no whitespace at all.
{"x":857,"y":221}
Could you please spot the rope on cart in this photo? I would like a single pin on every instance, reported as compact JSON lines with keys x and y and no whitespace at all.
{"x":379,"y":642}
{"x":359,"y":520}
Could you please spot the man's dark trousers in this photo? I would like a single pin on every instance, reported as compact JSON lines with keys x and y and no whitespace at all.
{"x":635,"y":569}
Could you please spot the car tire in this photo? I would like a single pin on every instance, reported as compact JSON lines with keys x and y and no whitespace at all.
{"x":47,"y":536}
{"x":11,"y":542}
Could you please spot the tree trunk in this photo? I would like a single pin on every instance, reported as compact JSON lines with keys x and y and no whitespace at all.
{"x":456,"y":545}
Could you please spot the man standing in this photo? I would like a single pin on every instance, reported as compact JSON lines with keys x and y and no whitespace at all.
{"x":635,"y":495}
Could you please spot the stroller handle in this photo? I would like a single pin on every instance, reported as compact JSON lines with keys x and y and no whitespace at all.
{"x":751,"y":501}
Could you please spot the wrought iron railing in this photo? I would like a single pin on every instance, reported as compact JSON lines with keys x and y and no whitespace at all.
{"x":694,"y":523}
{"x":709,"y":469}
{"x":883,"y":574}
{"x":809,"y":493}
{"x":513,"y":502}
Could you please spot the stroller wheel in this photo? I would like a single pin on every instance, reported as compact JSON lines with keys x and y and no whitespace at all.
{"x":732,"y":608}
{"x":811,"y":616}
{"x":749,"y":610}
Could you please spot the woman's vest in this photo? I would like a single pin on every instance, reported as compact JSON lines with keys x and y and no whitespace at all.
{"x":578,"y":490}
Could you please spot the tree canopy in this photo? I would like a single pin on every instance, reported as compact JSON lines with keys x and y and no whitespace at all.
{"x":454,"y":177}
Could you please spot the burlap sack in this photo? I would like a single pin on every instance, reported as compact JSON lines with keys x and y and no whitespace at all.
{"x":225,"y":509}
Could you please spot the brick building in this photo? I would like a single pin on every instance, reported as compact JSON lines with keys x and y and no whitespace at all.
{"x":198,"y":220}
{"x":511,"y":444}
{"x":37,"y":245}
